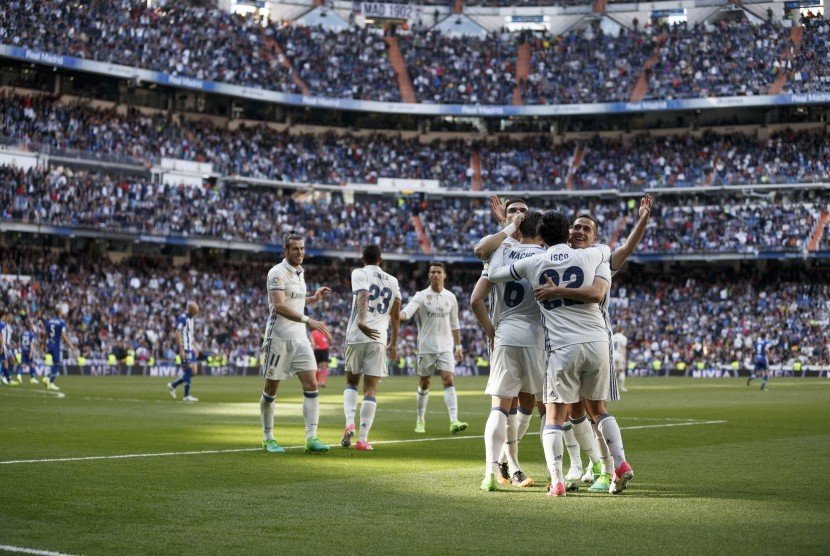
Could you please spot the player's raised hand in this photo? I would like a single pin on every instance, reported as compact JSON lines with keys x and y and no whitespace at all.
{"x":547,"y":291}
{"x":370,"y":332}
{"x":498,"y":208}
{"x":321,"y":293}
{"x":321,"y":326}
{"x":516,"y":218}
{"x":645,"y":206}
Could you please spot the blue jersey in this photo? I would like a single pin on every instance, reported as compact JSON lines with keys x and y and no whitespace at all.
{"x":761,"y":350}
{"x":54,"y":331}
{"x":27,"y":339}
{"x":187,"y":327}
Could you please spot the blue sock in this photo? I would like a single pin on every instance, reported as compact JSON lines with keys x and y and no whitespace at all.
{"x":6,"y":373}
{"x":176,"y":383}
{"x":53,"y":373}
{"x":186,"y":380}
{"x":764,"y":380}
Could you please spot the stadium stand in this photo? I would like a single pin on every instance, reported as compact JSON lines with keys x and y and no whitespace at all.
{"x":727,"y":58}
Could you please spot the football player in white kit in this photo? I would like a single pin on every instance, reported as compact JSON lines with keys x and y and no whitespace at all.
{"x":584,"y":233}
{"x":517,"y":357}
{"x":286,"y":349}
{"x":439,"y":343}
{"x":619,"y":343}
{"x":377,"y":301}
{"x":576,"y":340}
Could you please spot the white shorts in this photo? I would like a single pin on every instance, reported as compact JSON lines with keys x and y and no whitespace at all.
{"x":428,"y":363}
{"x":577,"y":372}
{"x":281,"y":359}
{"x":619,"y":365}
{"x":368,"y":358}
{"x":515,"y":369}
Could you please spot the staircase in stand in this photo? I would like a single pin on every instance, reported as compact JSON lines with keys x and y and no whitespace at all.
{"x":522,"y":71}
{"x":399,"y":65}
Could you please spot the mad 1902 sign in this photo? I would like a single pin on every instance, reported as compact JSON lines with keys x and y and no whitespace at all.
{"x":382,"y":10}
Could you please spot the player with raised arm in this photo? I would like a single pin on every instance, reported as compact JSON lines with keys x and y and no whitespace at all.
{"x":377,"y":301}
{"x":439,"y":344}
{"x":6,"y":352}
{"x":576,"y":339}
{"x":186,"y":340}
{"x":583,"y":234}
{"x":517,"y":360}
{"x":286,"y":350}
{"x":55,"y":330}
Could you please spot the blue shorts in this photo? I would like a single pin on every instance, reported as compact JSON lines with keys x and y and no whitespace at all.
{"x":189,"y":357}
{"x":760,"y":365}
{"x":56,"y":355}
{"x":26,"y":357}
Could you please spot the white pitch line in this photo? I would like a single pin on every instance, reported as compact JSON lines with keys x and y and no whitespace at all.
{"x":10,"y":548}
{"x":300,"y":446}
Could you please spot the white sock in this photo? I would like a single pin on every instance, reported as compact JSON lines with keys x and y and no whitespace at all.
{"x":311,"y":412}
{"x":349,"y":404}
{"x":552,"y":442}
{"x":585,"y":436}
{"x":422,"y":399}
{"x":266,"y":416}
{"x":542,"y":418}
{"x":621,"y":379}
{"x":571,"y":445}
{"x":523,"y":422}
{"x":495,"y":432}
{"x":610,"y":431}
{"x":604,"y":454}
{"x":451,"y":399}
{"x":511,"y":446}
{"x":367,"y":417}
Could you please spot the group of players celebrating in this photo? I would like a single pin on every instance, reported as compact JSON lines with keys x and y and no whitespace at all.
{"x":548,"y":283}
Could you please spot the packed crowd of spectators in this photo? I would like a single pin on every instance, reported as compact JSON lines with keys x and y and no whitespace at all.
{"x":461,"y":70}
{"x":343,"y":64}
{"x":730,"y":58}
{"x":533,"y":162}
{"x":133,"y":304}
{"x":776,"y":222}
{"x":65,"y":197}
{"x":715,"y":316}
{"x":207,"y":44}
{"x":42,"y":123}
{"x":811,"y":63}
{"x":710,"y":159}
{"x":583,"y":66}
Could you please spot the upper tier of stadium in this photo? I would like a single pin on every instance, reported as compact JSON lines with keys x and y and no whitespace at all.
{"x":588,"y":58}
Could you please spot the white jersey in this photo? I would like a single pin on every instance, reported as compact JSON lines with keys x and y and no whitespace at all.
{"x":566,"y":321}
{"x":437,"y":316}
{"x":6,"y":334}
{"x":514,"y":310}
{"x":383,"y":291}
{"x":284,"y":277}
{"x":618,"y":343}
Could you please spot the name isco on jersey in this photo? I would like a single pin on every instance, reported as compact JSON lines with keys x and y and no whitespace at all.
{"x":559,"y":257}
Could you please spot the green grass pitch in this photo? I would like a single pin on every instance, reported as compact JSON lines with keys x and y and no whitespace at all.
{"x":719,"y":467}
